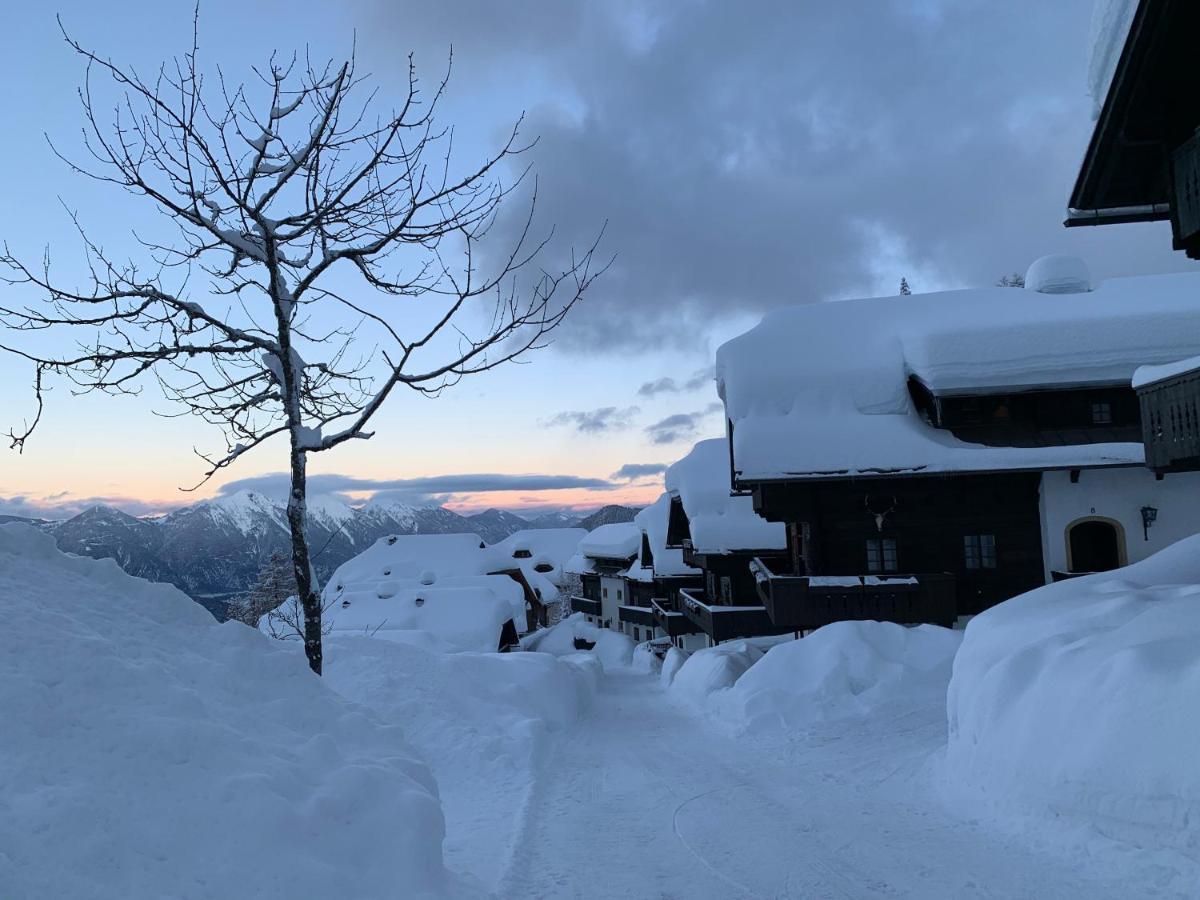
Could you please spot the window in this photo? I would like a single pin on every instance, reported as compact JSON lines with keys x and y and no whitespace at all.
{"x":620,"y":594}
{"x":1101,"y":413}
{"x":881,"y":555}
{"x":637,"y":634}
{"x":726,"y":589}
{"x":606,"y":593}
{"x":710,"y":579}
{"x":979,"y":551}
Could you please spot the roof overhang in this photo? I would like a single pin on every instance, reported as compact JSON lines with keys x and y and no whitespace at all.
{"x":1152,"y":106}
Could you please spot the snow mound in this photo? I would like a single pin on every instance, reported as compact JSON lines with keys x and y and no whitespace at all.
{"x":613,"y":649}
{"x":618,"y":540}
{"x":845,"y":669}
{"x":646,"y":660}
{"x":1080,"y":698}
{"x":148,"y":751}
{"x":713,"y":669}
{"x":672,"y":663}
{"x":1058,"y":274}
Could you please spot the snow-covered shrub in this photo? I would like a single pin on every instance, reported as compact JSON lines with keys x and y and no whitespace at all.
{"x":147,"y":751}
{"x":1081,"y":697}
{"x":713,"y":669}
{"x":843,"y":669}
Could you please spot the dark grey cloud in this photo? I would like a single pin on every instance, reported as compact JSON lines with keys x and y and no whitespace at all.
{"x":749,"y":155}
{"x":433,"y":488}
{"x":674,"y":429}
{"x":633,"y":471}
{"x":607,"y":418}
{"x":668,"y":385}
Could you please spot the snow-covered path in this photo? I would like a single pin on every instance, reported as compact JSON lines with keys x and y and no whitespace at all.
{"x":644,"y":799}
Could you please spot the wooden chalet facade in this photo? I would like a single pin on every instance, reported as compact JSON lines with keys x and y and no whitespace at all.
{"x":932,"y":458}
{"x":716,"y":536}
{"x":1143,"y":164}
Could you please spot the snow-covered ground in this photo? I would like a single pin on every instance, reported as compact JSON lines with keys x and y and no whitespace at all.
{"x":148,"y":752}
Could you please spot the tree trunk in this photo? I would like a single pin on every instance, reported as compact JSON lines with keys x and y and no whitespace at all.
{"x":306,"y":585}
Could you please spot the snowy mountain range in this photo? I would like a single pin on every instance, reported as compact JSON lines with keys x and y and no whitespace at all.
{"x":215,"y":549}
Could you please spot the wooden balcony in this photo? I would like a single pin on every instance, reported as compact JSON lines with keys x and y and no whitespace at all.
{"x":801,"y":603}
{"x":725,"y":623}
{"x":1171,"y":422}
{"x":585,"y":605}
{"x":671,"y":621}
{"x":637,"y":615}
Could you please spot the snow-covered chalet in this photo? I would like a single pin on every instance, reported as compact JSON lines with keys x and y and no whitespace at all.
{"x":955,"y":448}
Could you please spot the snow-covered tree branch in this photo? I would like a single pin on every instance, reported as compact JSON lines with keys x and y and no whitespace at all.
{"x":316,"y":254}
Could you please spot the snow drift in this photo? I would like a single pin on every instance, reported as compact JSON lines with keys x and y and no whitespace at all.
{"x":148,"y":751}
{"x":847,"y":669}
{"x":1080,"y":697}
{"x":613,"y":649}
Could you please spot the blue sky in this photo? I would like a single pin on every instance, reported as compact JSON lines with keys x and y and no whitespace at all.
{"x":745,"y":156}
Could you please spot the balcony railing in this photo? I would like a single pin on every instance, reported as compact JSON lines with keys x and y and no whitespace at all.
{"x":802,"y":602}
{"x":637,"y":615}
{"x":1171,"y":422}
{"x":671,"y":621}
{"x":723,"y":623}
{"x":585,"y":605}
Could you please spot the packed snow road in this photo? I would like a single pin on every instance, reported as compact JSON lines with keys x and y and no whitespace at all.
{"x":645,"y":799}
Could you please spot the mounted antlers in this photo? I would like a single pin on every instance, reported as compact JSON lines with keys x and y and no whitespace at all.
{"x":880,"y":517}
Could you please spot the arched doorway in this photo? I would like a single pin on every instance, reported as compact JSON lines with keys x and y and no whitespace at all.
{"x":1095,"y":544}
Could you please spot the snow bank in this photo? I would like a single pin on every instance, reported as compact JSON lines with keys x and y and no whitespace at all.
{"x":1081,"y":697}
{"x":842,"y":670}
{"x":613,"y":649}
{"x":842,"y":405}
{"x":717,"y":521}
{"x":713,"y":669}
{"x":147,"y":751}
{"x":646,"y":660}
{"x":672,"y":663}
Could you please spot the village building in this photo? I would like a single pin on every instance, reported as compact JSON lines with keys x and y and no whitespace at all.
{"x":654,"y":580}
{"x":932,"y":455}
{"x":455,"y":588}
{"x":602,"y":562}
{"x":1143,"y":164}
{"x":719,"y":535}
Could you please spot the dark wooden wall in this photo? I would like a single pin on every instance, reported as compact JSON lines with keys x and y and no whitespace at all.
{"x":930,"y":519}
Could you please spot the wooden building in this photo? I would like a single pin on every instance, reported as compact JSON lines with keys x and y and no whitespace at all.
{"x":933,"y":455}
{"x":1143,"y":164}
{"x":718,"y":535}
{"x":654,"y":580}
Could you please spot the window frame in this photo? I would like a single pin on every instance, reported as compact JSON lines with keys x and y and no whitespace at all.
{"x":883,"y":556}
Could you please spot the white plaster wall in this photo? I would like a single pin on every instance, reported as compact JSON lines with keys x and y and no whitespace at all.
{"x":608,"y":605}
{"x":1118,"y":494}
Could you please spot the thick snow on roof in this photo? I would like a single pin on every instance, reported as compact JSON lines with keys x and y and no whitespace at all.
{"x":620,"y":540}
{"x":546,"y":547}
{"x":1147,"y":375}
{"x":465,"y":612}
{"x":668,"y":561}
{"x":718,"y":521}
{"x":463,"y":603}
{"x":820,"y":389}
{"x":1110,"y":27}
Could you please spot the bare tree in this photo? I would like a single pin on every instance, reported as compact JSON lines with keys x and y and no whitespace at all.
{"x":339,"y":254}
